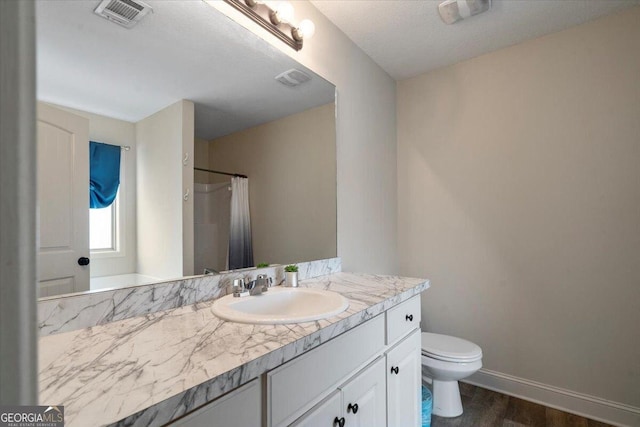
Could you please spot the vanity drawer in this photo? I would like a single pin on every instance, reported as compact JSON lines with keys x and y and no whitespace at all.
{"x":296,"y":386}
{"x":402,"y":319}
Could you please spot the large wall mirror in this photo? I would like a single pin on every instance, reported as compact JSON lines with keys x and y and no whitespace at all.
{"x":191,"y":103}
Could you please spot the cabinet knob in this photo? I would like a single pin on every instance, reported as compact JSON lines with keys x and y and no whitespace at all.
{"x":395,"y":370}
{"x":409,"y":317}
{"x":338,"y":422}
{"x":83,"y":261}
{"x":353,"y":408}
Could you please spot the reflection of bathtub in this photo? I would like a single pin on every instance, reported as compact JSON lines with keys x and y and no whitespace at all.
{"x":120,"y":281}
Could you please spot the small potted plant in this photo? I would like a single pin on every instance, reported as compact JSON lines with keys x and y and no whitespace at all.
{"x":291,"y":275}
{"x":262,"y":265}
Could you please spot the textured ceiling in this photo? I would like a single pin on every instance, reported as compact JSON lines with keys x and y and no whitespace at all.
{"x":183,"y":50}
{"x":407,"y":37}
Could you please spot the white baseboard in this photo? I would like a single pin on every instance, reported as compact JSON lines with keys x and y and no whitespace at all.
{"x":584,"y":405}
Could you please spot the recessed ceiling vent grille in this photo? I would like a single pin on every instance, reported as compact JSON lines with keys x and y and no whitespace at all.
{"x":124,"y":12}
{"x":293,"y":77}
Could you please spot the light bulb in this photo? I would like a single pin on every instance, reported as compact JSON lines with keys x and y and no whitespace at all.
{"x":285,"y":11}
{"x":307,"y":28}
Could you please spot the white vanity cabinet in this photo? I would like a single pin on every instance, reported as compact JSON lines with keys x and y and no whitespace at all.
{"x":326,"y":413}
{"x":241,"y":407}
{"x":361,"y":402}
{"x":369,"y":376}
{"x":403,"y":383}
{"x":364,"y":398}
{"x":403,"y":319}
{"x":404,"y":367}
{"x":297,"y":386}
{"x":375,"y":366}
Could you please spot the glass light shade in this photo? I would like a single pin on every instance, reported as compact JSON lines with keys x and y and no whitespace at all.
{"x":285,"y":11}
{"x":307,"y":28}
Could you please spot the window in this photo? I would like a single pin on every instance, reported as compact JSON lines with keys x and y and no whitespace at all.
{"x":103,"y":229}
{"x":104,"y":190}
{"x":107,"y":237}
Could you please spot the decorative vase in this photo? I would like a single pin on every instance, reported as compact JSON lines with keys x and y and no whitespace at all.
{"x":291,"y":279}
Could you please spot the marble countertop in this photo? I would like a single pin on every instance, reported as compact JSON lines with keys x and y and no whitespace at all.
{"x":152,"y":369}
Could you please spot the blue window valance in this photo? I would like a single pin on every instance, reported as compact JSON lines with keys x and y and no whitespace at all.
{"x":104,"y":174}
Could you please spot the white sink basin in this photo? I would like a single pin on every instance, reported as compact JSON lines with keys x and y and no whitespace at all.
{"x":281,"y":305}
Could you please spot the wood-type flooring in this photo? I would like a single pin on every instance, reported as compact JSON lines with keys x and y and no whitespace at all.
{"x":486,"y":408}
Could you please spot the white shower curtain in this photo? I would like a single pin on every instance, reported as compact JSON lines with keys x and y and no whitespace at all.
{"x":240,"y":247}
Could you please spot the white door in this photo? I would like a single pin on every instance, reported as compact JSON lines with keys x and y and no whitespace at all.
{"x":403,"y":383}
{"x":325,"y":414}
{"x":364,"y":397}
{"x":63,"y":201}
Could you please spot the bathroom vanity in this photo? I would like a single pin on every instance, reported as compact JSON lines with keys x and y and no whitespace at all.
{"x":186,"y":367}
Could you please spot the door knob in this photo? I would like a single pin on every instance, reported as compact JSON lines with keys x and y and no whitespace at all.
{"x":395,"y":370}
{"x":409,"y":317}
{"x":83,"y":261}
{"x":353,"y":408}
{"x":339,"y":422}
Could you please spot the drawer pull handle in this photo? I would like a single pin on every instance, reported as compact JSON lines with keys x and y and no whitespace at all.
{"x":409,"y":317}
{"x":339,"y":422}
{"x":353,"y":408}
{"x":395,"y":370}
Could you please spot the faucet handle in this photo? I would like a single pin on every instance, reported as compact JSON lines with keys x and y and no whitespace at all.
{"x":239,"y":289}
{"x":264,"y":281}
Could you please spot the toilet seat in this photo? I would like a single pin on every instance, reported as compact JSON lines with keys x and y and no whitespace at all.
{"x":450,"y":349}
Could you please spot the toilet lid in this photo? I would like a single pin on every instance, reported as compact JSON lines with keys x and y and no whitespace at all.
{"x":449,"y":349}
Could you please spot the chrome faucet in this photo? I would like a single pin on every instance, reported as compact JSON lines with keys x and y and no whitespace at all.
{"x":239,"y":288}
{"x":261,"y":284}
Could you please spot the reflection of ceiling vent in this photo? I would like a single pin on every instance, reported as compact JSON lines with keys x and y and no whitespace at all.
{"x":293,"y":77}
{"x":452,"y":11}
{"x":124,"y":12}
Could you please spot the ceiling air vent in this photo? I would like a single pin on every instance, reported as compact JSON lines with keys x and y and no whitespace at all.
{"x":293,"y":77}
{"x":124,"y":12}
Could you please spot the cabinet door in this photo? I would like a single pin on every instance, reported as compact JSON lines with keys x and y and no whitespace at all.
{"x":327,"y":413}
{"x":298,"y":385}
{"x":403,"y":383}
{"x":364,"y":397}
{"x":240,"y":408}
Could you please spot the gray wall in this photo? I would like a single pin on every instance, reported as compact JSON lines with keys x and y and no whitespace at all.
{"x":519,"y":197}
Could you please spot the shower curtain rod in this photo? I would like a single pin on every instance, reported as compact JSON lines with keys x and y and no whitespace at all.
{"x":222,"y":173}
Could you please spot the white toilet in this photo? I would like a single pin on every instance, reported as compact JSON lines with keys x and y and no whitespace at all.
{"x":445,"y":360}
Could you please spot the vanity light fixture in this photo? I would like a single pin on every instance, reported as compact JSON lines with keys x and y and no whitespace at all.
{"x":277,"y":17}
